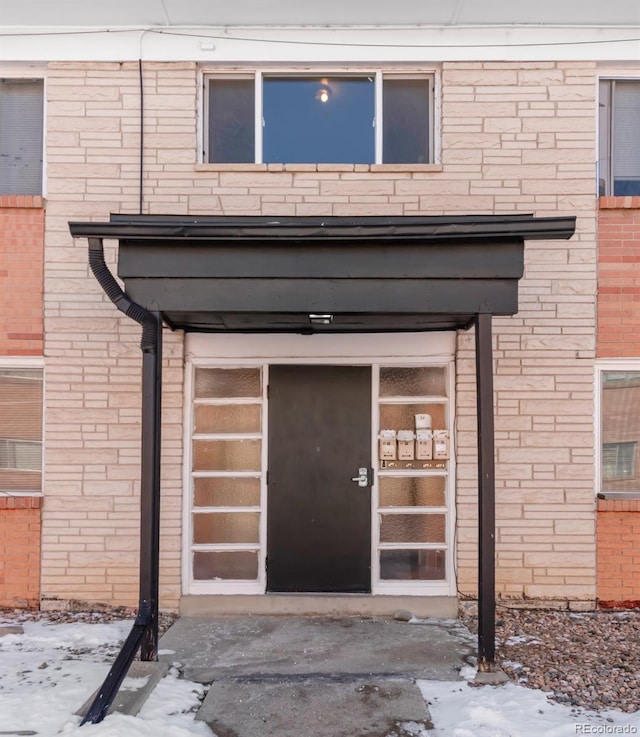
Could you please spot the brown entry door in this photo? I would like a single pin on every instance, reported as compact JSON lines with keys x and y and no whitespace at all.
{"x":318,"y":519}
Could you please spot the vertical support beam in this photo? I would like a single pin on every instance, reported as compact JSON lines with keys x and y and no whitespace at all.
{"x":486,"y":496}
{"x":150,"y":490}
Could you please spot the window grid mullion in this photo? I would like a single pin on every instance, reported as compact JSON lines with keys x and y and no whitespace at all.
{"x":259,"y":118}
{"x":378,"y":108}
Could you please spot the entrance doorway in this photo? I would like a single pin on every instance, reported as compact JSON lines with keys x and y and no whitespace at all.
{"x":318,"y":517}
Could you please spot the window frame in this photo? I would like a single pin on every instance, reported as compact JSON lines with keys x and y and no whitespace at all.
{"x":605,"y":120}
{"x":604,"y":366}
{"x":379,"y":74}
{"x":31,"y":73}
{"x":20,"y":363}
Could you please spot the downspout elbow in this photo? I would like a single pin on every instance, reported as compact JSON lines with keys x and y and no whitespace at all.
{"x":120,"y":299}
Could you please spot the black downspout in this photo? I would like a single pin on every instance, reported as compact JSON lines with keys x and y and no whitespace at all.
{"x":486,"y":497}
{"x":144,"y":635}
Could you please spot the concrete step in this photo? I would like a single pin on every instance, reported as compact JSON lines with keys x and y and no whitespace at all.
{"x":142,"y":678}
{"x":316,"y":707}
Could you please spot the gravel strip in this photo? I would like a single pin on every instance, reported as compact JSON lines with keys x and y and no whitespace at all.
{"x":583,"y":659}
{"x":98,"y":615}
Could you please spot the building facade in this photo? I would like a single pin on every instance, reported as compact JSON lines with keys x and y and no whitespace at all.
{"x":217,"y":135}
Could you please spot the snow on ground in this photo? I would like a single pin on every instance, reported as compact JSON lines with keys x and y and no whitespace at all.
{"x":461,"y":710}
{"x":48,"y":672}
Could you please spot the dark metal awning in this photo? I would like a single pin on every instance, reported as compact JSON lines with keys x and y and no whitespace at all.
{"x":333,"y":274}
{"x":260,"y":274}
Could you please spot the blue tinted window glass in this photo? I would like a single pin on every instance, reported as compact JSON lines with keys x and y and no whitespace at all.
{"x":318,"y":120}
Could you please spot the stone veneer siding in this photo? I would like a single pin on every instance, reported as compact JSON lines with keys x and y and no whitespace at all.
{"x":515,"y":137}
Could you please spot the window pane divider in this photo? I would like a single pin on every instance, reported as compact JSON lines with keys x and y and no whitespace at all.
{"x":411,"y":472}
{"x":438,"y":399}
{"x":227,"y":436}
{"x":412,"y":510}
{"x":226,"y":474}
{"x":223,"y":401}
{"x":226,"y":547}
{"x":214,"y":510}
{"x":412,"y":546}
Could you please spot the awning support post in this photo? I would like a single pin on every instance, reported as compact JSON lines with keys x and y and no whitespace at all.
{"x":150,"y":491}
{"x":486,"y":495}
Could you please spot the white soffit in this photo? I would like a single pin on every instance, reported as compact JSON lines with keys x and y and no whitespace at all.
{"x":308,"y":30}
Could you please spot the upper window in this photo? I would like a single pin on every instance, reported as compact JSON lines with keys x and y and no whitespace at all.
{"x":619,"y":124}
{"x":20,"y":430}
{"x":342,"y":119}
{"x":21,"y":121}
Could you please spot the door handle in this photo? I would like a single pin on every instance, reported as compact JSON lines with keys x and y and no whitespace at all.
{"x":363,"y":478}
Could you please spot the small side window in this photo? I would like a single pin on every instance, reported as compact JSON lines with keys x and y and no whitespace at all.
{"x":620,"y":427}
{"x":231,"y":113}
{"x":406,"y":121}
{"x":619,"y":138}
{"x":20,"y":430}
{"x":21,"y":126}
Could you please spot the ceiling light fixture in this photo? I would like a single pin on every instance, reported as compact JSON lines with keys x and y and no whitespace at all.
{"x":323,"y":93}
{"x":317,"y":319}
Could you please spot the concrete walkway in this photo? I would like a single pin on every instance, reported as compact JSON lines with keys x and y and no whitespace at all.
{"x":316,"y":677}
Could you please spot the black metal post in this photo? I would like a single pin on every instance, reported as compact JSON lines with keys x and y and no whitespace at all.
{"x":150,"y":491}
{"x":486,"y":496}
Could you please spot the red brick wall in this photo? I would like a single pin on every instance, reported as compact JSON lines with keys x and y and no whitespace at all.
{"x":20,"y":551}
{"x":21,"y":334}
{"x":619,"y":277}
{"x":21,"y":275}
{"x":618,"y":542}
{"x":618,"y":525}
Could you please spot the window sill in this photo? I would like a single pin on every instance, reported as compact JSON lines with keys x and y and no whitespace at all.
{"x":390,"y":168}
{"x":22,"y":201}
{"x":619,"y":203}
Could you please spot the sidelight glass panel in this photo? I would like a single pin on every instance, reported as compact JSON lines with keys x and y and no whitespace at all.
{"x":226,"y":527}
{"x":227,"y":418}
{"x":238,"y":564}
{"x":404,"y":491}
{"x":412,"y":381}
{"x":410,"y":565}
{"x":403,"y":416}
{"x":221,"y":382}
{"x":226,"y":455}
{"x":226,"y":492}
{"x":412,"y":528}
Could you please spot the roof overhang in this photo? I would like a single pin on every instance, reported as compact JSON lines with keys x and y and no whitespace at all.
{"x":318,"y":275}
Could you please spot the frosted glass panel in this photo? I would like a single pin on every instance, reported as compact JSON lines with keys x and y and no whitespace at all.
{"x":226,"y":527}
{"x":218,"y":382}
{"x":226,"y":455}
{"x":402,"y":416}
{"x":407,"y":565}
{"x":226,"y":492}
{"x":424,"y":491}
{"x":234,"y":418}
{"x":236,"y":565}
{"x":412,"y":528}
{"x":425,"y":381}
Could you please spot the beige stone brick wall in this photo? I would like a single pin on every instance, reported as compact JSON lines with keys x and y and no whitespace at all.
{"x":515,"y":138}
